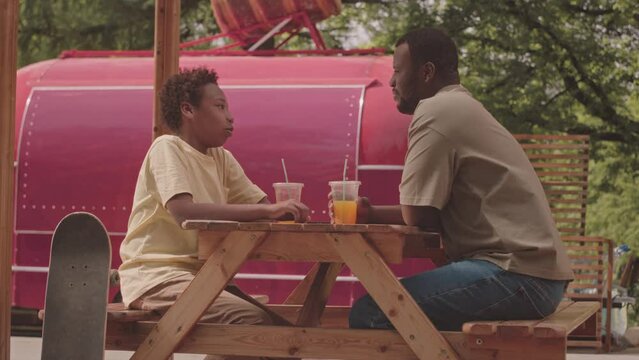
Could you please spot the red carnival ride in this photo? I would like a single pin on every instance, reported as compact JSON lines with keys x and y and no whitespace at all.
{"x":84,"y":125}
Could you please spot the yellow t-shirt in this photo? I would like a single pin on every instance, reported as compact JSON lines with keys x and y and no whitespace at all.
{"x":462,"y":161}
{"x":156,"y":248}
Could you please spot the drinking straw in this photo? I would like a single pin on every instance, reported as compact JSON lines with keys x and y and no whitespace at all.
{"x":344,"y":179}
{"x":284,"y":167}
{"x":288,"y":190}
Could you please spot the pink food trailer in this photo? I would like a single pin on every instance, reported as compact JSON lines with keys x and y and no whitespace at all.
{"x":83,"y":126}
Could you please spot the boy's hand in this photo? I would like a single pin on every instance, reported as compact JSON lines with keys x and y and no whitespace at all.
{"x":298,"y":210}
{"x":363,"y":209}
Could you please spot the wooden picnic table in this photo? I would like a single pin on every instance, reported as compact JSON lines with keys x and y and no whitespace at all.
{"x":365,"y":249}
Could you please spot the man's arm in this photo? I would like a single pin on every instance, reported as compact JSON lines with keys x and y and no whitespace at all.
{"x":425,"y":217}
{"x":182,"y":207}
{"x":384,"y":214}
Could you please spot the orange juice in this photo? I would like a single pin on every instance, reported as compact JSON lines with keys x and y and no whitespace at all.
{"x":345,"y":211}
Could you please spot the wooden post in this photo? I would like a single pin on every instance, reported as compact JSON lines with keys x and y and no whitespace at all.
{"x":166,"y":53}
{"x":8,"y":52}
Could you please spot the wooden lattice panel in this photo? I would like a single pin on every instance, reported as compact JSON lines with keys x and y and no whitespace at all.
{"x":561,"y":162}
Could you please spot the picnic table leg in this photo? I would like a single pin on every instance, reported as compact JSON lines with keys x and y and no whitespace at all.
{"x":300,"y":293}
{"x":317,"y":296}
{"x":410,"y":321}
{"x":209,"y":282}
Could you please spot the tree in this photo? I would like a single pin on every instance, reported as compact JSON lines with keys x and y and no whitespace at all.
{"x":48,"y":27}
{"x":564,"y":66}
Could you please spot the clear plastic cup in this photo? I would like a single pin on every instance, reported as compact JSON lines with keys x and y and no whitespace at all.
{"x":286,"y":191}
{"x":344,"y":195}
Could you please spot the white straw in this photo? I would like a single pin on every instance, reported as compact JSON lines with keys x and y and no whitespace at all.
{"x":284,"y":167}
{"x":344,"y":179}
{"x":345,"y":166}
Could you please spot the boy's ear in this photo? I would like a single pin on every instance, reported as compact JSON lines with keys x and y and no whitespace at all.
{"x":186,"y":110}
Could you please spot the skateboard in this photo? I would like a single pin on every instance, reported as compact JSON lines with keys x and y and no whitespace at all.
{"x":77,"y":290}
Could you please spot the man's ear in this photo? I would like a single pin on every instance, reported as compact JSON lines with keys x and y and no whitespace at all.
{"x":428,"y":71}
{"x":186,"y":110}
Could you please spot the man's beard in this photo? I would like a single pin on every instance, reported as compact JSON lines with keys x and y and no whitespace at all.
{"x":407,"y":106}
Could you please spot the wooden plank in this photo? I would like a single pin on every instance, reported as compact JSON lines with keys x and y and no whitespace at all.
{"x":529,"y":347}
{"x":293,"y":246}
{"x":594,"y":297}
{"x":302,"y":246}
{"x":577,"y":137}
{"x":214,"y":275}
{"x":539,"y":156}
{"x":323,"y":343}
{"x":9,"y":10}
{"x":556,"y":200}
{"x":572,"y":210}
{"x":546,"y":183}
{"x":570,"y":230}
{"x":217,"y":225}
{"x":317,"y":296}
{"x":585,"y":239}
{"x":561,"y":323}
{"x":392,"y":298}
{"x":556,"y":146}
{"x":491,"y":327}
{"x":588,"y":267}
{"x":579,"y":193}
{"x":597,"y":277}
{"x":166,"y":53}
{"x":585,"y":257}
{"x":277,"y":341}
{"x":568,"y":220}
{"x":574,"y":285}
{"x":332,"y":317}
{"x":571,"y":247}
{"x":569,"y":174}
{"x":547,"y":165}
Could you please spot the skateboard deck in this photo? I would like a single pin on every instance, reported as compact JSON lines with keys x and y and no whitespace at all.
{"x":77,"y":290}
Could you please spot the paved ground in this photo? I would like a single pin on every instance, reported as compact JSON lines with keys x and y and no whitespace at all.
{"x":25,"y":348}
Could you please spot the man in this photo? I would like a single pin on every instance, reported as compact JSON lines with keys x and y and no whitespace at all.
{"x":468,"y":178}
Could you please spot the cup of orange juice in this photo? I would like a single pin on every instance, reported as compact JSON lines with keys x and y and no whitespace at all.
{"x":286,"y":191}
{"x":344,"y":194}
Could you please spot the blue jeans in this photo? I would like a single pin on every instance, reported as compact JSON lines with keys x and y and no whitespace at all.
{"x":468,"y":290}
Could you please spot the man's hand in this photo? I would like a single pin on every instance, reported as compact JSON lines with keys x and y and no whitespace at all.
{"x":299,"y":211}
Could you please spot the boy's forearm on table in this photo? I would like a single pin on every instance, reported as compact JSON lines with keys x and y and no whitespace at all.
{"x":244,"y":212}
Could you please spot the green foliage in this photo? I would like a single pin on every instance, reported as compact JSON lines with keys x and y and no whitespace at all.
{"x":48,"y":27}
{"x":613,"y":210}
{"x":536,"y":65}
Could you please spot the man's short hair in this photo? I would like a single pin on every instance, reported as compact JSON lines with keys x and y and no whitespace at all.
{"x":432,"y":45}
{"x":186,"y":86}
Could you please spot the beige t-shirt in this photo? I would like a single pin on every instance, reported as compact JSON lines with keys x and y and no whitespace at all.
{"x":462,"y":161}
{"x":156,"y":248}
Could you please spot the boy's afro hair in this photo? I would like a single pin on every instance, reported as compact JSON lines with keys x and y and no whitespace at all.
{"x":186,"y":86}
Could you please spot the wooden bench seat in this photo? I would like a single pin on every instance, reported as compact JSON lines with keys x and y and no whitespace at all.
{"x":530,"y":339}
